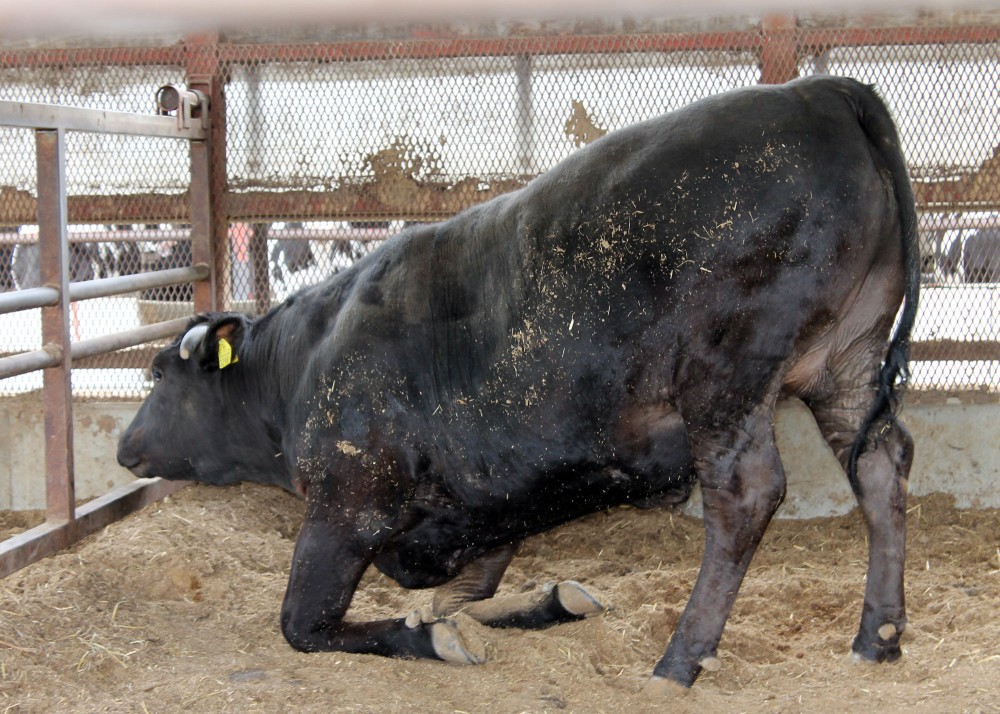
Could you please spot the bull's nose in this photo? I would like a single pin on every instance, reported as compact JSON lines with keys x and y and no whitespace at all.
{"x":127,"y":456}
{"x":129,"y":461}
{"x":126,"y":459}
{"x":136,"y":464}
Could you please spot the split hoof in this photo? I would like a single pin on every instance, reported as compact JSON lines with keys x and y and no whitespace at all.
{"x":880,"y":646}
{"x":420,"y":617}
{"x":664,"y":688}
{"x":576,"y":600}
{"x":889,"y":630}
{"x":710,"y":664}
{"x":456,"y":644}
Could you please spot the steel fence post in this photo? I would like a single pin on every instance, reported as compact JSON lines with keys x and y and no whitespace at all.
{"x":57,"y":385}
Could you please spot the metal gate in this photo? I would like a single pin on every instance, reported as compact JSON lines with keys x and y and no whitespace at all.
{"x":51,"y":126}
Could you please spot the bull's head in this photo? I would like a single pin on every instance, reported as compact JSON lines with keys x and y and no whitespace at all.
{"x":184,"y":428}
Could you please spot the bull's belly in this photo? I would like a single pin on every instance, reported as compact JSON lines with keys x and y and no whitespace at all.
{"x":448,"y":534}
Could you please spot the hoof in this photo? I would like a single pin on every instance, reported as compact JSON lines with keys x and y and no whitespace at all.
{"x":877,"y":653}
{"x":881,"y":646}
{"x":453,"y":643}
{"x":664,"y":688}
{"x":576,"y":600}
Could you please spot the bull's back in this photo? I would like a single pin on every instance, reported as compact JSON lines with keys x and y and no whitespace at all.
{"x":723,"y":230}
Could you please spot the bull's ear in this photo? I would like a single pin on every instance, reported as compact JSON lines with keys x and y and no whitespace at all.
{"x":215,"y":340}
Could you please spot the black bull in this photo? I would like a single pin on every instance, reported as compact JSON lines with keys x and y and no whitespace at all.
{"x":612,"y":333}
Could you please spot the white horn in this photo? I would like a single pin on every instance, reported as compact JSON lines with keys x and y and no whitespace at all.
{"x":192,"y":339}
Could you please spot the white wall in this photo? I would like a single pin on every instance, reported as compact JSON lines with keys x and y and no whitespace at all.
{"x":957,"y":452}
{"x":97,"y":427}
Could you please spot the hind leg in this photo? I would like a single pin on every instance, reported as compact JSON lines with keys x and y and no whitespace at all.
{"x":742,"y":482}
{"x":472,"y":592}
{"x":882,"y":473}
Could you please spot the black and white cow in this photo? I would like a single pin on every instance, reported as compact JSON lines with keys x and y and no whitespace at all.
{"x":981,"y":256}
{"x":614,"y":332}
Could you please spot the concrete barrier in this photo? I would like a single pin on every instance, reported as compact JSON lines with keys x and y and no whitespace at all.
{"x":957,"y":452}
{"x":96,"y":427}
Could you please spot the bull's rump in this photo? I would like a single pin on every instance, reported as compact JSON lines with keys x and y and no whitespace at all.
{"x":723,"y":231}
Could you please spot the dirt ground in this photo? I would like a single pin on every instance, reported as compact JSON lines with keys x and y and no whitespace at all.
{"x":176,"y":610}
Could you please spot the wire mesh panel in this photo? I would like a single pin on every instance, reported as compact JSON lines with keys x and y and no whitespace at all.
{"x":382,"y":134}
{"x":337,"y":138}
{"x":945,"y":98}
{"x":419,"y":130}
{"x":126,"y":201}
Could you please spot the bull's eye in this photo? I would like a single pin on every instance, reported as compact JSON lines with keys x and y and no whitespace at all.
{"x":157,"y":374}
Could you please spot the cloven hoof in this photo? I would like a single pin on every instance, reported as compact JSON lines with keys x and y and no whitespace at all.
{"x":663,"y":688}
{"x":576,"y":600}
{"x":453,"y":643}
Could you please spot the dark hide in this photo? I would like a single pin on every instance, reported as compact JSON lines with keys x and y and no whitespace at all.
{"x":613,"y":332}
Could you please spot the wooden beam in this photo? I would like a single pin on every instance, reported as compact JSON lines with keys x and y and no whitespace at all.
{"x":54,"y":535}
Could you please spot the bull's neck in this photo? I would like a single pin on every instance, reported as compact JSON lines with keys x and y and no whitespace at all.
{"x":254,"y":390}
{"x":259,"y":382}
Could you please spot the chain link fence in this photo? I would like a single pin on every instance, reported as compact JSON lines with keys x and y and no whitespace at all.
{"x":330,"y":142}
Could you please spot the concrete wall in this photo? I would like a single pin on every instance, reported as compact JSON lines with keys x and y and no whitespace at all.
{"x":97,"y":426}
{"x":957,"y":452}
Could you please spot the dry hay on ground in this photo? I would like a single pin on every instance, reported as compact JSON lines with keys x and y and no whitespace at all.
{"x":175,"y":609}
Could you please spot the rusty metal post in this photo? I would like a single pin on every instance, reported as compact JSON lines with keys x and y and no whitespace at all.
{"x":57,"y":387}
{"x":205,"y":74}
{"x":260,"y":272}
{"x":779,"y":60}
{"x":202,"y":245}
{"x":525,"y":116}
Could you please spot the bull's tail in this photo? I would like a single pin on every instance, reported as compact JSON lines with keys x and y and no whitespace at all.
{"x":892,"y":376}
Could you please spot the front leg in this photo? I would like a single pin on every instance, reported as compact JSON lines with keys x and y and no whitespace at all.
{"x":473,"y":593}
{"x":330,"y":558}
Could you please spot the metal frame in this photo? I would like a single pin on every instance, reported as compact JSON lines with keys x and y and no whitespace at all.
{"x":64,"y":522}
{"x":779,"y":42}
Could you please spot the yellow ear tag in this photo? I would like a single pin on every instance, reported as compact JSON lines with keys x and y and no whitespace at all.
{"x":226,"y":356}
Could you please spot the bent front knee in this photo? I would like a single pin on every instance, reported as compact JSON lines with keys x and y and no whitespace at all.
{"x":302,"y":637}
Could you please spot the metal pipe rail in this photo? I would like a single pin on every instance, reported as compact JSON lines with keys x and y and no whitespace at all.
{"x":106,"y":287}
{"x":64,"y":523}
{"x":52,"y":355}
{"x":54,"y":117}
{"x":28,"y":299}
{"x":103,"y":287}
